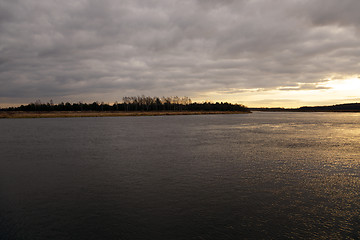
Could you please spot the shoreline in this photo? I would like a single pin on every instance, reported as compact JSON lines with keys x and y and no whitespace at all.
{"x":71,"y":114}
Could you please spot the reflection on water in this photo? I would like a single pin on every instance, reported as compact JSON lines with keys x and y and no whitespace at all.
{"x":260,"y":175}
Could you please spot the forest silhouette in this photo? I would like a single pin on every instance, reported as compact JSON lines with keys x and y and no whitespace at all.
{"x":134,"y":103}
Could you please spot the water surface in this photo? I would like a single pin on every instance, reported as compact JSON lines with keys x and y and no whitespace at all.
{"x":260,"y":175}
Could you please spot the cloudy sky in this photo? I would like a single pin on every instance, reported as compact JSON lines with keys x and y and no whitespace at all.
{"x":256,"y":52}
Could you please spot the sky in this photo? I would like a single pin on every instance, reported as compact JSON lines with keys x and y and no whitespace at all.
{"x":261,"y":53}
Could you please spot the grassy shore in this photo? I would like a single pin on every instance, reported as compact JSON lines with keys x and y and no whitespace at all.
{"x":19,"y":114}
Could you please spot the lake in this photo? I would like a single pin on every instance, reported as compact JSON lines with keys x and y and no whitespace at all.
{"x":260,"y":175}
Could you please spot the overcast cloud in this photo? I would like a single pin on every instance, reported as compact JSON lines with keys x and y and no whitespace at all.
{"x":103,"y":50}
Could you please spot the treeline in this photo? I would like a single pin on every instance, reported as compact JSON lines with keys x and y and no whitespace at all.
{"x":139,"y":103}
{"x":347,"y":107}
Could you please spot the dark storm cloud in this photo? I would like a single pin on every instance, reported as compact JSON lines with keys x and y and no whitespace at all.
{"x":84,"y":47}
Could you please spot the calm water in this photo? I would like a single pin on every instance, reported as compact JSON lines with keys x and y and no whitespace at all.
{"x":260,"y":175}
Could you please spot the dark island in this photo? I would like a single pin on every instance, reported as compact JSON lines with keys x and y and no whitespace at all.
{"x":347,"y":107}
{"x":130,"y":106}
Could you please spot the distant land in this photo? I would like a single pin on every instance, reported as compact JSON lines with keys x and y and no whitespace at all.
{"x":347,"y":107}
{"x":151,"y":106}
{"x":130,"y":106}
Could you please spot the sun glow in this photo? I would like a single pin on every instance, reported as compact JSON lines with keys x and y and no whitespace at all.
{"x":351,"y":84}
{"x":334,"y":90}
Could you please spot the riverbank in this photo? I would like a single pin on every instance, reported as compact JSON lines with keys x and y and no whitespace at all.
{"x":20,"y":114}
